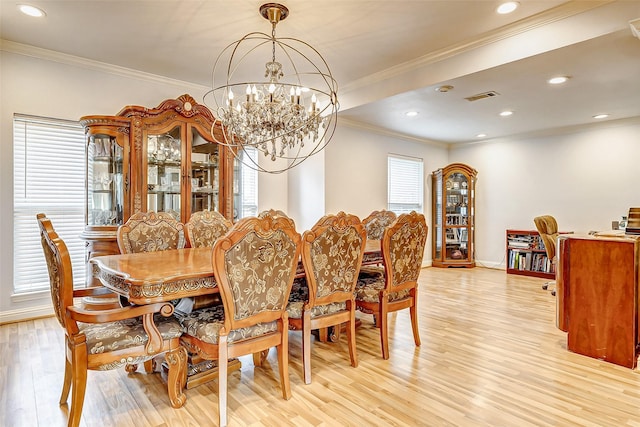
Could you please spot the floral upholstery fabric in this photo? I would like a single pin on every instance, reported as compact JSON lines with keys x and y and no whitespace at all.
{"x":259,"y":270}
{"x":335,"y":255}
{"x":205,"y":227}
{"x":377,"y":222}
{"x":294,"y":309}
{"x":51,"y":254}
{"x":300,"y":295}
{"x":150,"y":232}
{"x":370,"y":282}
{"x":123,"y":334}
{"x":205,"y":324}
{"x":406,"y":250}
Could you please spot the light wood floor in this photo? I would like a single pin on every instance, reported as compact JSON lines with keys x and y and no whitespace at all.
{"x":490,"y":356}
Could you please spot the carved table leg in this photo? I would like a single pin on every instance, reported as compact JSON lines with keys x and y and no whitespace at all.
{"x":177,"y":376}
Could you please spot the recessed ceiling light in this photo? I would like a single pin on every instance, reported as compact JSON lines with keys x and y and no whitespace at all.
{"x":481,"y":135}
{"x":507,"y":7}
{"x":411,"y":113}
{"x":600,"y":116}
{"x":506,"y":113}
{"x":558,"y":80}
{"x":31,"y":10}
{"x":444,"y":88}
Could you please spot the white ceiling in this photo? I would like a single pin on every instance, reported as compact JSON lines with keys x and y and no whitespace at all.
{"x":388,"y":57}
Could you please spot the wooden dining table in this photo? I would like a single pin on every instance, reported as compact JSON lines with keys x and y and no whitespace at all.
{"x":150,"y":277}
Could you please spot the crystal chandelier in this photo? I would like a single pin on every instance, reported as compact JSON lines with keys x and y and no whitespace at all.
{"x":289,"y":115}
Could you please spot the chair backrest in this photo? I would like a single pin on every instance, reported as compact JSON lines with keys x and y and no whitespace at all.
{"x":274,"y":213}
{"x":58,"y":261}
{"x":403,"y":249}
{"x":547,"y":227}
{"x":150,"y":232}
{"x":377,"y":222}
{"x":254,"y":265}
{"x":332,"y":254}
{"x":205,"y":227}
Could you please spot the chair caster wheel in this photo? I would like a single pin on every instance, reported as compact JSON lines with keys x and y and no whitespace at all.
{"x":545,"y":286}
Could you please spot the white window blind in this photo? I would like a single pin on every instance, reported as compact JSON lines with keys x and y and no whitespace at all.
{"x":405,"y":184}
{"x":249,"y":184}
{"x":48,"y":177}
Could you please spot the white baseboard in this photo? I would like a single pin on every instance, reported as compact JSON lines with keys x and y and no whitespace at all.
{"x":26,"y":314}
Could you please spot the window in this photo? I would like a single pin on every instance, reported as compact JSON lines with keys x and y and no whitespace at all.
{"x":249,"y":184}
{"x":48,"y":177}
{"x":405,"y":184}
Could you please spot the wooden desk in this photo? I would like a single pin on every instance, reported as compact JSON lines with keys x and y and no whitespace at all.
{"x":598,"y":296}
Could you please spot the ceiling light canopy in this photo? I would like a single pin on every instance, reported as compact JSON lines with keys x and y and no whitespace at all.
{"x":506,"y":113}
{"x":411,"y":113}
{"x":288,"y":111}
{"x":507,"y":7}
{"x":600,"y":116}
{"x":31,"y":10}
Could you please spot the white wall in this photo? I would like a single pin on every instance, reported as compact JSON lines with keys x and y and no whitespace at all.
{"x":585,"y":178}
{"x":356,"y":171}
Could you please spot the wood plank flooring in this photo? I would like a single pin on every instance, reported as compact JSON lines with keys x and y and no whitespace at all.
{"x":490,"y":356}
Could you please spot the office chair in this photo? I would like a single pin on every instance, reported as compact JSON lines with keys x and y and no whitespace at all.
{"x":548,"y":229}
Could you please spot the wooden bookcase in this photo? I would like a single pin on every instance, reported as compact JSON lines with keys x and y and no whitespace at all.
{"x":526,"y":255}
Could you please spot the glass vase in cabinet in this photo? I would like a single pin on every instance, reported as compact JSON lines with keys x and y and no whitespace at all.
{"x":454,"y":216}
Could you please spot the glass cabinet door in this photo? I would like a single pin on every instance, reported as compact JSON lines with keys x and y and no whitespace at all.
{"x":437,"y":220}
{"x":105,"y":189}
{"x":164,"y":172}
{"x":205,"y":174}
{"x":457,"y":216}
{"x":453,"y":216}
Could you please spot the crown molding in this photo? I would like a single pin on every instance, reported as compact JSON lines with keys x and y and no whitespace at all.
{"x":558,"y":13}
{"x":564,"y":130}
{"x":385,"y":132}
{"x":63,"y":58}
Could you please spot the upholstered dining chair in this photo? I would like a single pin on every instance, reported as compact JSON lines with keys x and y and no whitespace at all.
{"x":205,"y":227}
{"x":331,"y":254}
{"x":254,"y":265}
{"x":150,"y":232}
{"x":547,"y":227}
{"x":107,"y":339}
{"x":395,"y":286}
{"x":377,"y":222}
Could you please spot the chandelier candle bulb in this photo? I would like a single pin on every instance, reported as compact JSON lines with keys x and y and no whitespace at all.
{"x":230,"y":99}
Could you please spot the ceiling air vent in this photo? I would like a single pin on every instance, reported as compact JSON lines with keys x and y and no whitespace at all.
{"x":484,"y":95}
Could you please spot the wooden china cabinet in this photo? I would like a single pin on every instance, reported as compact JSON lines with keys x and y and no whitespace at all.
{"x":161,"y":159}
{"x":454,"y":216}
